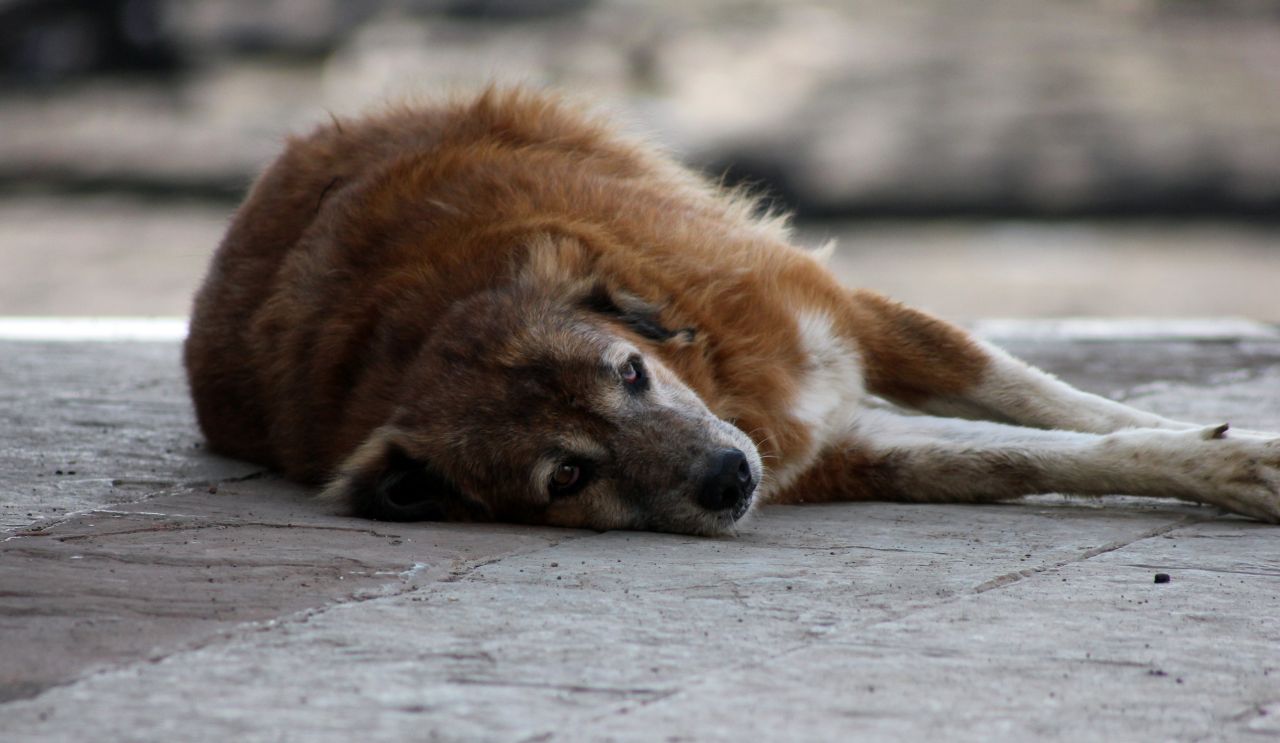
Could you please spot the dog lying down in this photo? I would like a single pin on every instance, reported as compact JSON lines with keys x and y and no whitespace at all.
{"x":501,"y":310}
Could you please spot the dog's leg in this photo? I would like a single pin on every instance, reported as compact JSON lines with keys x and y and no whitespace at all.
{"x":891,"y":456}
{"x":1023,"y":394}
{"x":921,"y":362}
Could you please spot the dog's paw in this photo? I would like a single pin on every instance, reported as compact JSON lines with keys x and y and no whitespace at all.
{"x":1238,"y":471}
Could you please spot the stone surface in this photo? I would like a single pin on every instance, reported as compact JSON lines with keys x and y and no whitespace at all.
{"x":86,"y":426}
{"x":209,"y":601}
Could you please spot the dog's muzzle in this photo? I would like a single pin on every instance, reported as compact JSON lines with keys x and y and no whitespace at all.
{"x":728,"y":484}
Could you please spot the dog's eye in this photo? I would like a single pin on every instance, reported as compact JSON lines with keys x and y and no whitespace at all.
{"x":633,"y":374}
{"x":568,"y":478}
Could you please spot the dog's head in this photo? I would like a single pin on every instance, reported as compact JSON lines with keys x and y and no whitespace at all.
{"x":545,"y":402}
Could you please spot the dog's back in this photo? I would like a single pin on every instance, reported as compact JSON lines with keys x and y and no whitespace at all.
{"x":226,"y":352}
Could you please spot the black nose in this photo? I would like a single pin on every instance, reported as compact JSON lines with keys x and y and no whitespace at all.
{"x":728,"y":483}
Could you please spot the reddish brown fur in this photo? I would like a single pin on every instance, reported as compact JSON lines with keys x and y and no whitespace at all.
{"x":902,"y":348}
{"x":364,"y":233}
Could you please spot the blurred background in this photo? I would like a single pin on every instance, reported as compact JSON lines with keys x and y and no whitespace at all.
{"x":1029,"y":158}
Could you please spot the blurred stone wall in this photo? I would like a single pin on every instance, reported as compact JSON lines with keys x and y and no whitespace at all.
{"x":1036,"y":107}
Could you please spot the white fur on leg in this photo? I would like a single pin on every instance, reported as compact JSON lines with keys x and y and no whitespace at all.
{"x":1016,"y":392}
{"x":942,"y":459}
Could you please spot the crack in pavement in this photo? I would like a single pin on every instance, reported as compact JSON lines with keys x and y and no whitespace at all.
{"x":179,"y":527}
{"x":388,"y":591}
{"x":843,"y":547}
{"x":255,"y":475}
{"x":165,"y":488}
{"x":1254,"y":711}
{"x":203,"y":561}
{"x":233,"y":630}
{"x":1018,"y":575}
{"x":573,"y":688}
{"x":828,"y":638}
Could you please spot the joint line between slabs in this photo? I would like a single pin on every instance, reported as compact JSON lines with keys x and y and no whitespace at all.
{"x":1010,"y":578}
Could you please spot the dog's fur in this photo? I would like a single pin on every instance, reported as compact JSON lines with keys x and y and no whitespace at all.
{"x":499,"y":309}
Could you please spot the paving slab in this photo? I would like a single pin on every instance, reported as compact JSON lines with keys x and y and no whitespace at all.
{"x":173,"y":595}
{"x":84,"y":425}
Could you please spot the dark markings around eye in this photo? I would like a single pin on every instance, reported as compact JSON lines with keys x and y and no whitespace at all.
{"x":634,"y":375}
{"x":569,"y":477}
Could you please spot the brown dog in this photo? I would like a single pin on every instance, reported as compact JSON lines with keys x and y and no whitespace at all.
{"x":501,"y":310}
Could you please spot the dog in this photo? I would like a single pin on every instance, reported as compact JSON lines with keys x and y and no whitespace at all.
{"x":501,"y":309}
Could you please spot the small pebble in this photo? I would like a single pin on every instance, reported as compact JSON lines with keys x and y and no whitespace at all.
{"x":1162,"y":578}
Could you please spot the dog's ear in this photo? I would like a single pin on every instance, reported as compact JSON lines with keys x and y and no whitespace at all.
{"x":642,"y":318}
{"x":567,"y":265}
{"x":382,"y":481}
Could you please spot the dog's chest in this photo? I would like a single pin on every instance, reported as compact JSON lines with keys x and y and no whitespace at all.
{"x":830,"y":384}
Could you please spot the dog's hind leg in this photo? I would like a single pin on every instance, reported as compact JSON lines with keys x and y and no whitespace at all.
{"x":892,"y":456}
{"x":921,"y":362}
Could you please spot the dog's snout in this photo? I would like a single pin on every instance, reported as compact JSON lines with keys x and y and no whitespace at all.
{"x":729,"y":482}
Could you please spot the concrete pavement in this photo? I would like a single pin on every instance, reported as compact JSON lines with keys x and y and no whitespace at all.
{"x":150,"y":591}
